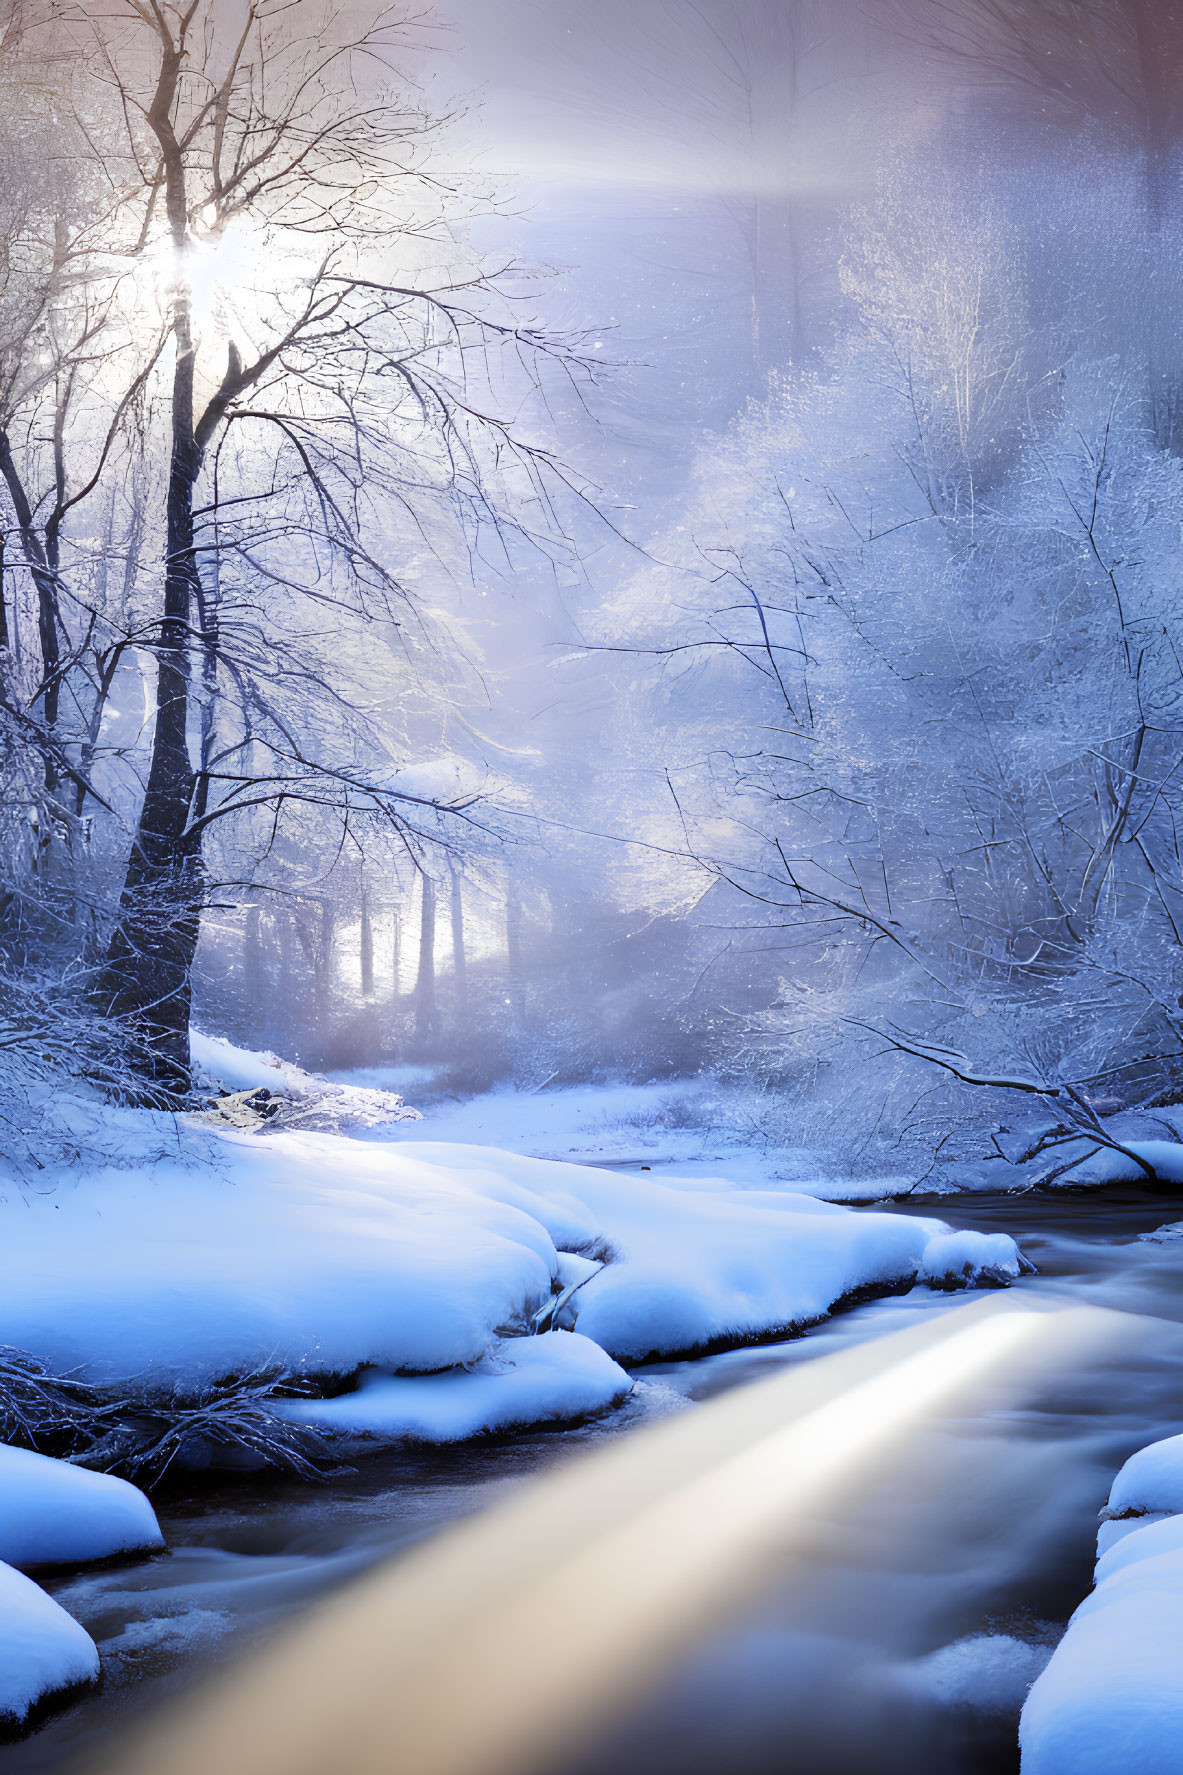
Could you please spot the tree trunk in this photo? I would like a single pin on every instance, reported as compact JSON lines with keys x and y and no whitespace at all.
{"x":3,"y":592}
{"x":147,"y":978}
{"x":322,"y":969}
{"x":254,"y":977}
{"x":459,"y":959}
{"x":367,"y":949}
{"x":425,"y":983}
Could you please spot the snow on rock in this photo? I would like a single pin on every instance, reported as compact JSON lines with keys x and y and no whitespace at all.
{"x":43,"y":1651}
{"x":245,"y":1251}
{"x":1112,"y":1696}
{"x":54,"y":1514}
{"x":1111,"y":1532}
{"x":267,"y":1092}
{"x":1164,"y":1235}
{"x":964,"y":1257}
{"x":1150,"y":1481}
{"x":239,"y":1069}
{"x":233,"y":1251}
{"x":557,"y":1377}
{"x":987,"y":1672}
{"x":704,"y":1264}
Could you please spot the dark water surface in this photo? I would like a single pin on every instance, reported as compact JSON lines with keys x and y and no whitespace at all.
{"x":983,"y":1532}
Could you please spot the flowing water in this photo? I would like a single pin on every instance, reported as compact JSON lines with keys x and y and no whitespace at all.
{"x":904,"y":1642}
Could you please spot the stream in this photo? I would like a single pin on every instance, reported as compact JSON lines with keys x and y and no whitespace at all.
{"x":876,"y":1653}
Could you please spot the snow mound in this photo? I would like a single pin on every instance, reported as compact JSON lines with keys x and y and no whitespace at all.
{"x":557,"y":1377}
{"x":699,"y":1264}
{"x":1111,"y":1697}
{"x":43,"y":1651}
{"x":1111,"y":1532}
{"x":1144,"y":1540}
{"x":1150,"y":1481}
{"x":960,"y":1259}
{"x":54,"y":1514}
{"x":1164,"y":1235}
{"x":310,"y":1252}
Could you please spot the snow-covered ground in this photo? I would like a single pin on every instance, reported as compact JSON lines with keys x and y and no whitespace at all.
{"x":203,"y":1249}
{"x":1111,"y":1697}
{"x":681,"y":1127}
{"x":705,"y":1127}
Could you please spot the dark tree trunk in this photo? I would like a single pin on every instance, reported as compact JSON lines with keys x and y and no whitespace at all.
{"x":146,"y":980}
{"x":3,"y":591}
{"x":147,"y":976}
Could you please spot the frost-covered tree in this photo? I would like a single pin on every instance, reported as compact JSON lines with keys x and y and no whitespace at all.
{"x":919,"y":681}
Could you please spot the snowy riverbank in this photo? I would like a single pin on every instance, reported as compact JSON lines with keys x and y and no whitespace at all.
{"x":389,"y":1288}
{"x":198,"y":1250}
{"x":322,"y":1254}
{"x":1111,"y":1697}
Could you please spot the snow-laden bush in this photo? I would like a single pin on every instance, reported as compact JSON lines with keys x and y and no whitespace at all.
{"x":915,"y":668}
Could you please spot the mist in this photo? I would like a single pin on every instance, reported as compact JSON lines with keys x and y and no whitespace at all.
{"x":824,"y":621}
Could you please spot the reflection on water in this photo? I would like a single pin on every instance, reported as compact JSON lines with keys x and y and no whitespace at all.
{"x":942,"y":1592}
{"x":906,"y":1641}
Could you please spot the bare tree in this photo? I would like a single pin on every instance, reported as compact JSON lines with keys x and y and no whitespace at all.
{"x":1111,"y":66}
{"x":348,"y":399}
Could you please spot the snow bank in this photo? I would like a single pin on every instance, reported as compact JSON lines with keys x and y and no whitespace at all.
{"x":43,"y":1651}
{"x":675,"y":1127}
{"x":1165,"y":1158}
{"x":1111,"y":1699}
{"x":700,"y":1265}
{"x":558,"y":1377}
{"x":235,"y":1251}
{"x":1112,"y":1696}
{"x":1145,"y":1539}
{"x":958,"y":1259}
{"x":244,"y":1251}
{"x":54,"y":1514}
{"x":1150,"y":1481}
